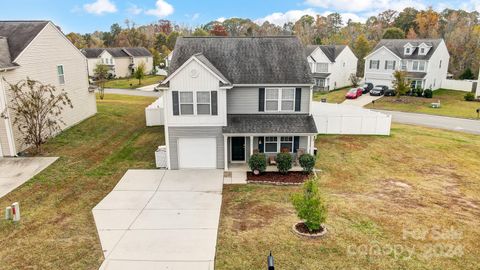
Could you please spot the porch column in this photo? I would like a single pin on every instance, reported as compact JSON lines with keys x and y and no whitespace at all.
{"x":308,"y":145}
{"x":312,"y":144}
{"x":225,"y":150}
{"x":251,"y":145}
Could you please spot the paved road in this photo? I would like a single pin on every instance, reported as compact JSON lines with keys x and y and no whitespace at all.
{"x":361,"y":101}
{"x":132,"y":92}
{"x":434,"y":121}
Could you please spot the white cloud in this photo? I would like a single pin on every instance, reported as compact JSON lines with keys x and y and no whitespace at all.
{"x":100,"y":7}
{"x":365,"y":5}
{"x":221,"y":19}
{"x":280,"y":18}
{"x":162,"y":9}
{"x":134,"y":9}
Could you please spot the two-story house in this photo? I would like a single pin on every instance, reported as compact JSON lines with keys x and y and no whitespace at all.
{"x":40,"y":51}
{"x":228,"y":97}
{"x":424,"y":60}
{"x":331,"y":65}
{"x":121,"y":61}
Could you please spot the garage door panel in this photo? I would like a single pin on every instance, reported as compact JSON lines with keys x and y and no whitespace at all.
{"x":197,"y":153}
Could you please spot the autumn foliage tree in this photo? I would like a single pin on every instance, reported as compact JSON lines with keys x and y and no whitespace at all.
{"x":35,"y":110}
{"x":219,"y":30}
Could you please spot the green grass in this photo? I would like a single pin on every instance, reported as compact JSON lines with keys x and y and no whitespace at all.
{"x":375,"y":188}
{"x":132,"y":83}
{"x":452,"y":104}
{"x":334,"y":96}
{"x":57,"y":230}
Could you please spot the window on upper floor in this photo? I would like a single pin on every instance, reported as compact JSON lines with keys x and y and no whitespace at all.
{"x":408,"y":50}
{"x":186,"y":103}
{"x":203,"y":102}
{"x":322,"y":67}
{"x":404,"y":65}
{"x":61,"y":75}
{"x":422,"y":50}
{"x":279,"y":99}
{"x":418,"y":65}
{"x":389,"y":64}
{"x":374,"y":64}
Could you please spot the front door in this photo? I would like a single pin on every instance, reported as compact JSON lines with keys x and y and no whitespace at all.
{"x":238,"y":148}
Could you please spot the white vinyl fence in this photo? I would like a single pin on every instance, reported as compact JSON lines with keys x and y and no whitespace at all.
{"x":345,"y":119}
{"x":154,"y":113}
{"x":459,"y":85}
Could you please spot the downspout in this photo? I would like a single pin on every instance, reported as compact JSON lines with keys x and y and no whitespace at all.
{"x":8,"y":123}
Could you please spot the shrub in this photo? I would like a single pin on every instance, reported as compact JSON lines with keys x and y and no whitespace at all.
{"x":419,"y":92}
{"x":307,"y":162}
{"x":284,"y":162}
{"x":428,"y":93}
{"x":310,"y":206}
{"x":258,"y":161}
{"x":469,"y":97}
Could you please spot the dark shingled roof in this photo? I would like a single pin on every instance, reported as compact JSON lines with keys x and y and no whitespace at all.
{"x":5,"y":59}
{"x":270,"y":123}
{"x":117,"y":52}
{"x":331,"y":51}
{"x":207,"y":63}
{"x":249,"y":60}
{"x":397,"y":47}
{"x":19,"y":34}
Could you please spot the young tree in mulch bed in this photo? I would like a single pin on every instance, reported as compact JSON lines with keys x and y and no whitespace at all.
{"x":311,"y":209}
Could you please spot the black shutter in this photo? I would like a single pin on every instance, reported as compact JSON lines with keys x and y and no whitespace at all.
{"x":296,"y":143}
{"x":386,"y":64}
{"x":176,"y":110}
{"x":261,"y":99}
{"x":298,"y":99}
{"x":214,"y":103}
{"x":394,"y":65}
{"x":370,"y":64}
{"x":261,"y":144}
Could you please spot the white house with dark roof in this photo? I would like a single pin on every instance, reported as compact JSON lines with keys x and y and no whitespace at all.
{"x":228,"y":97}
{"x":331,"y":65}
{"x":121,"y":61}
{"x":40,"y":51}
{"x":424,"y":60}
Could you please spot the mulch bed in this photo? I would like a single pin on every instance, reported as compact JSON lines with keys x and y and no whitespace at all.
{"x":276,"y":178}
{"x":301,"y":227}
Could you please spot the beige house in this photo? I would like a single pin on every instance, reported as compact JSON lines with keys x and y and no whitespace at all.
{"x":40,"y":51}
{"x":121,"y":61}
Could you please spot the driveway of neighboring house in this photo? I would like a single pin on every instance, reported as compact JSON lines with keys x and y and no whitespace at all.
{"x":16,"y":171}
{"x":132,"y":92}
{"x":148,"y":88}
{"x":157,"y":219}
{"x":361,"y":101}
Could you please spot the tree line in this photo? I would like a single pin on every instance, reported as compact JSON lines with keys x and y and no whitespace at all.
{"x":459,"y":28}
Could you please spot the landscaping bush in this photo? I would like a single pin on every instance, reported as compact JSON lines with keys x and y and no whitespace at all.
{"x":310,"y":206}
{"x":307,"y":162}
{"x":419,"y":92}
{"x":428,"y":93}
{"x":258,"y":161}
{"x":284,"y":162}
{"x":469,"y":97}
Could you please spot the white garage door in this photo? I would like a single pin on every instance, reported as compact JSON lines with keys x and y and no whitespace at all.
{"x":197,"y":153}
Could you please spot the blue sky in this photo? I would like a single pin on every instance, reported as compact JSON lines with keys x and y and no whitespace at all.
{"x":89,"y":15}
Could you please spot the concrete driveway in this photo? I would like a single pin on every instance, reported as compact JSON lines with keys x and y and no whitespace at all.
{"x":132,"y":92}
{"x":16,"y":171}
{"x":361,"y":101}
{"x":157,"y":219}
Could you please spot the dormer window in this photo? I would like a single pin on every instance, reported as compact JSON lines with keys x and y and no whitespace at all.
{"x":407,"y":50}
{"x":423,"y":49}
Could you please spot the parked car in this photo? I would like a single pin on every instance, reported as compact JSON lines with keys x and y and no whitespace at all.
{"x":367,"y":87}
{"x":378,"y":90}
{"x":354,"y":93}
{"x":390,"y":92}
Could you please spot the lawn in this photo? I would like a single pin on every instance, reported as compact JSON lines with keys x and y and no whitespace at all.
{"x":132,"y":83}
{"x":452,"y":104}
{"x":57,"y":230}
{"x":378,"y":190}
{"x":335,"y":96}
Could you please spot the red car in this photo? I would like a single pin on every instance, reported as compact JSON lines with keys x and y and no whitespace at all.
{"x":354,"y":93}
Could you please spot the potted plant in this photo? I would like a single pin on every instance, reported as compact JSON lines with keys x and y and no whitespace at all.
{"x":257,"y":163}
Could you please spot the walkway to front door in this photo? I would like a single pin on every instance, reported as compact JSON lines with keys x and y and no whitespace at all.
{"x":238,"y":149}
{"x":156,"y":219}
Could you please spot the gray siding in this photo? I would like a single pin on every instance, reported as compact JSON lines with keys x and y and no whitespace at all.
{"x":244,"y":100}
{"x":174,"y":133}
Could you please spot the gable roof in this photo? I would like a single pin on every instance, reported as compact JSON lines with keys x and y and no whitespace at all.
{"x":331,"y":51}
{"x":208,"y":64}
{"x":117,"y":52}
{"x":248,"y":60}
{"x":19,"y":34}
{"x":397,"y":47}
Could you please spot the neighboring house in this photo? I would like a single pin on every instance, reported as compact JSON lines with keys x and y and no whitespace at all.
{"x":478,"y":85}
{"x":424,"y":60}
{"x":228,"y":97}
{"x":121,"y":61}
{"x":40,"y":51}
{"x":331,"y":65}
{"x":168,"y":59}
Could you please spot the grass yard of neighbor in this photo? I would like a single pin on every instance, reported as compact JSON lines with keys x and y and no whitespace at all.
{"x":334,"y":96}
{"x":125,"y":83}
{"x":381,"y":192}
{"x":452,"y":104}
{"x":57,"y":230}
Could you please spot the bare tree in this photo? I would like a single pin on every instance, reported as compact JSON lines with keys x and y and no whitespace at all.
{"x":101,"y":72}
{"x":36,"y":110}
{"x":354,"y":79}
